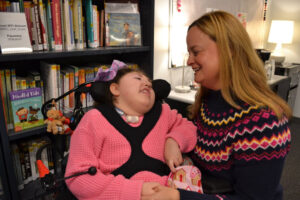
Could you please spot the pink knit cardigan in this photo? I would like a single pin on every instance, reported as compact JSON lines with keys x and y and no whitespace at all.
{"x":97,"y":143}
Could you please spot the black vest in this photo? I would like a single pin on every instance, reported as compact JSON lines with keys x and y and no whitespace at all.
{"x":138,"y":160}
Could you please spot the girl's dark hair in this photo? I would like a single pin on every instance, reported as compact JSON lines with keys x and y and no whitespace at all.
{"x":101,"y":92}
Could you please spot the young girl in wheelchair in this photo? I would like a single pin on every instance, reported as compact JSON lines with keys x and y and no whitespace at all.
{"x":124,"y":137}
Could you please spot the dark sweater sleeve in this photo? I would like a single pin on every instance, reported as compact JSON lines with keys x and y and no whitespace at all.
{"x":259,"y":154}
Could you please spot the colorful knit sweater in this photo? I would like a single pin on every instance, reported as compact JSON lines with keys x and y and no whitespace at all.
{"x":244,"y":148}
{"x":96,"y":142}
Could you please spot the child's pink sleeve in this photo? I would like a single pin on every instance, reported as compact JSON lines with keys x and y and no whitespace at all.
{"x":183,"y":131}
{"x":83,"y":156}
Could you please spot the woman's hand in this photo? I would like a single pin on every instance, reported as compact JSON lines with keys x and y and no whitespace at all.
{"x":148,"y":188}
{"x":173,"y":154}
{"x":163,"y":193}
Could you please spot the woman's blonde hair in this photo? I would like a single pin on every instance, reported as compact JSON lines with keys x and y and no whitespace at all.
{"x":242,"y":72}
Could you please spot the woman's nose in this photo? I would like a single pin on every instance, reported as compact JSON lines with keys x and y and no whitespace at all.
{"x":190,"y":60}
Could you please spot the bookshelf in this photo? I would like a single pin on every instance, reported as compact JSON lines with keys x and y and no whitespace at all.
{"x":142,"y":55}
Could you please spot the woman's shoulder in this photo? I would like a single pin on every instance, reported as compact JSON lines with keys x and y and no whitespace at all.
{"x":263,"y":115}
{"x":262,"y":131}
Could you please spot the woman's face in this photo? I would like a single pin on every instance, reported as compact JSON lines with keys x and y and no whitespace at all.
{"x":203,"y":58}
{"x":134,"y":94}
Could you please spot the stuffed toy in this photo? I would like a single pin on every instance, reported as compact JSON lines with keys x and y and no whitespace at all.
{"x":56,"y":122}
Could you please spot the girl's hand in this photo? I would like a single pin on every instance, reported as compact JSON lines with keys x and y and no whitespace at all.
{"x":163,"y":193}
{"x":148,"y":188}
{"x":173,"y":154}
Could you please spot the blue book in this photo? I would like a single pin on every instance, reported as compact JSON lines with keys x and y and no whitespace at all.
{"x":26,"y":108}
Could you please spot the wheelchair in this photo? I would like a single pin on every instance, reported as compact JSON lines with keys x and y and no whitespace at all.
{"x":54,"y":183}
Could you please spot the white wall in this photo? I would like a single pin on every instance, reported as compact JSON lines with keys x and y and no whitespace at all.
{"x":161,"y":40}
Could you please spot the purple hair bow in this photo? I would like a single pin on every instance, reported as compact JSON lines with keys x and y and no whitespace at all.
{"x":110,"y":73}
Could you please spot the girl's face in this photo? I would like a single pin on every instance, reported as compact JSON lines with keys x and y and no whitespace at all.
{"x":134,"y":94}
{"x":204,"y":58}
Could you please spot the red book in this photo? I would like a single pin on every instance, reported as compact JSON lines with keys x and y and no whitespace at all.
{"x":56,"y":24}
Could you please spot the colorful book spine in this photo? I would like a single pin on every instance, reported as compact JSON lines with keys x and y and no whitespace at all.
{"x":81,"y":80}
{"x":49,"y":76}
{"x":56,"y":24}
{"x":17,"y":165}
{"x":96,"y":24}
{"x":13,"y":79}
{"x":43,"y":24}
{"x":49,"y":25}
{"x":3,"y":95}
{"x":77,"y":24}
{"x":37,"y":25}
{"x":27,"y":7}
{"x":89,"y":23}
{"x":71,"y":23}
{"x":25,"y":162}
{"x":67,"y":25}
{"x":89,"y":77}
{"x":9,"y":106}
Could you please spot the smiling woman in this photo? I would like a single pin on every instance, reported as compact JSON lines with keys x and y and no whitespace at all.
{"x":242,"y":125}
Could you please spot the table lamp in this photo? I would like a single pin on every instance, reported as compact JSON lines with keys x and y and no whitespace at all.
{"x":281,"y":32}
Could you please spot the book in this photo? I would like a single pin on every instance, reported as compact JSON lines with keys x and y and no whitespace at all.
{"x":123,"y":29}
{"x":25,"y":162}
{"x":13,"y":79}
{"x":17,"y":165}
{"x":81,"y":80}
{"x":9,"y":107}
{"x":26,"y":108}
{"x":49,"y":75}
{"x":27,"y":7}
{"x":33,"y":148}
{"x":37,"y":28}
{"x":43,"y":24}
{"x":77,"y":24}
{"x":49,"y":25}
{"x":68,"y":44}
{"x":56,"y":24}
{"x":89,"y":24}
{"x":4,"y":96}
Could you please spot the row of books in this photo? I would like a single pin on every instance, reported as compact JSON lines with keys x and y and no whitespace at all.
{"x":77,"y":24}
{"x":23,"y":94}
{"x":24,"y":160}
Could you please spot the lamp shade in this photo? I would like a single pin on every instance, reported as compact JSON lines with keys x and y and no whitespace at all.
{"x":281,"y":31}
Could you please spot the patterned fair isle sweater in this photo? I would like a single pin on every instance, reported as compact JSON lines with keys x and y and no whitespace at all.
{"x":244,"y":149}
{"x":97,"y":142}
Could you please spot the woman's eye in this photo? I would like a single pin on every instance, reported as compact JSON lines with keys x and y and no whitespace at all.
{"x":138,"y":78}
{"x":195,"y":53}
